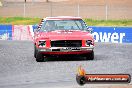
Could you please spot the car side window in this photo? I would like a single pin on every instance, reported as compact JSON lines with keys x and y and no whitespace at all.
{"x":41,"y":29}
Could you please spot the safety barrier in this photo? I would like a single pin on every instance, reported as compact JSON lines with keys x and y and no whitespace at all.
{"x":101,"y":34}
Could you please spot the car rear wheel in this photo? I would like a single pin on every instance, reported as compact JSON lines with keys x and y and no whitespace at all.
{"x":90,"y":56}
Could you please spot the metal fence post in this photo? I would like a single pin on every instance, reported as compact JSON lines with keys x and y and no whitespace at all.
{"x":24,"y":8}
{"x":32,"y":1}
{"x":78,"y":9}
{"x":51,"y":9}
{"x":1,"y":4}
{"x":106,"y":10}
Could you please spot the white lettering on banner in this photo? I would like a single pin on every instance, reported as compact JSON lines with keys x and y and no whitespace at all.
{"x":121,"y":36}
{"x":96,"y":36}
{"x":108,"y":37}
{"x":114,"y":37}
{"x":105,"y":37}
{"x":4,"y":36}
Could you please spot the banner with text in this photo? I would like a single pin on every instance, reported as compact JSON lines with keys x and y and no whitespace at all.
{"x":112,"y":34}
{"x":5,"y":32}
{"x":22,"y":32}
{"x":101,"y":34}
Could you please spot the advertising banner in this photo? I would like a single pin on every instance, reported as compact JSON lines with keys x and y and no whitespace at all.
{"x":112,"y":34}
{"x":101,"y":34}
{"x":5,"y":32}
{"x":22,"y":32}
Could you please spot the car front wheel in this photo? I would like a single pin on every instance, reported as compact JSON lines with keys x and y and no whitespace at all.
{"x":39,"y":57}
{"x":90,"y":56}
{"x":35,"y":51}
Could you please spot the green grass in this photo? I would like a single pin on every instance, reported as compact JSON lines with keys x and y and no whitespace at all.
{"x":19,"y":20}
{"x":90,"y":22}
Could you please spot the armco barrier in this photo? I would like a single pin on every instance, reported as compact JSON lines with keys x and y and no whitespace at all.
{"x":5,"y":32}
{"x":112,"y":34}
{"x":101,"y":34}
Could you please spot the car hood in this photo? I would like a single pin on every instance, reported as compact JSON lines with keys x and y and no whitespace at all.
{"x":66,"y":35}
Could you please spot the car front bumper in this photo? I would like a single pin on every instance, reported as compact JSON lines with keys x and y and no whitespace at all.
{"x":66,"y":50}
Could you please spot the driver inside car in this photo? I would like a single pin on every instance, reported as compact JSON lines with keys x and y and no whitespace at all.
{"x":50,"y":25}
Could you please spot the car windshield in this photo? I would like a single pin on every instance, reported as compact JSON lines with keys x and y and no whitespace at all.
{"x":52,"y":25}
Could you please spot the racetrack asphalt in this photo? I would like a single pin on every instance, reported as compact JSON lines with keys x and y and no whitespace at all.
{"x":19,"y":69}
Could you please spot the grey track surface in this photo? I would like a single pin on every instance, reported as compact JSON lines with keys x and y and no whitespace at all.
{"x":18,"y":68}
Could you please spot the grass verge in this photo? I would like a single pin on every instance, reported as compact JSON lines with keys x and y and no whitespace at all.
{"x":90,"y":22}
{"x":19,"y":20}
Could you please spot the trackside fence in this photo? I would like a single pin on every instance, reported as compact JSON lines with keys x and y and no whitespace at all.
{"x":93,"y":10}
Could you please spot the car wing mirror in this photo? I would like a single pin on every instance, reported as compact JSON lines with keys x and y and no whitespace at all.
{"x":90,"y":30}
{"x":36,"y":27}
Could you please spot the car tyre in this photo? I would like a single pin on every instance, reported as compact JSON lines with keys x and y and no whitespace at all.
{"x":90,"y":56}
{"x":35,"y":51}
{"x":39,"y":57}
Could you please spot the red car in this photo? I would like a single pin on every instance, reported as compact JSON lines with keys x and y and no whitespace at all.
{"x":63,"y":36}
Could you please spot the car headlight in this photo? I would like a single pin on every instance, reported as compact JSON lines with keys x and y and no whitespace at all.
{"x":88,"y":42}
{"x":42,"y":43}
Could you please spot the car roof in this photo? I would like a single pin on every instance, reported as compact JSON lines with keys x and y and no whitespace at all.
{"x":63,"y":18}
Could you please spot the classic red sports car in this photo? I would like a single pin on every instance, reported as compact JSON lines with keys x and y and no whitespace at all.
{"x":63,"y":36}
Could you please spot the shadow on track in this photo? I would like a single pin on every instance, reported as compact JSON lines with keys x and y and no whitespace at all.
{"x":50,"y":59}
{"x":67,"y":58}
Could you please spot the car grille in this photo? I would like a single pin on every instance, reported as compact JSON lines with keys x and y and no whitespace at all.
{"x":66,"y":43}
